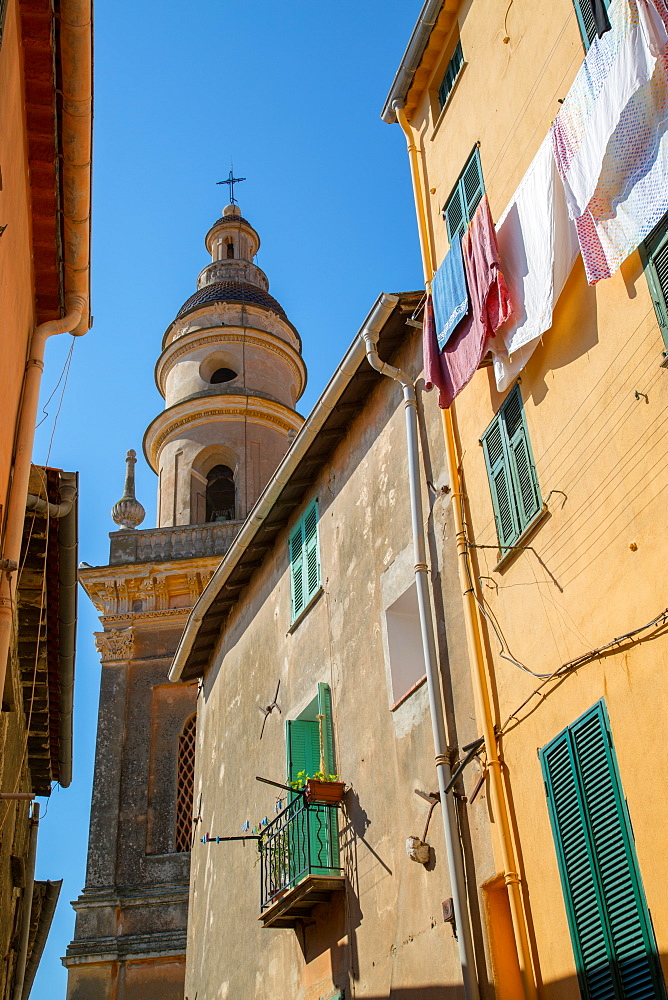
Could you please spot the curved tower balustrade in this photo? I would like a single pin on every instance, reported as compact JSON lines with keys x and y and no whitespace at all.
{"x":231,"y":373}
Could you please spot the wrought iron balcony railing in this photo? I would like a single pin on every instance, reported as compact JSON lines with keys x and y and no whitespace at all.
{"x":299,"y":859}
{"x":302,"y":841}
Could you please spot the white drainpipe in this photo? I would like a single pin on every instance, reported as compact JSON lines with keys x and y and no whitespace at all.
{"x":369,"y":334}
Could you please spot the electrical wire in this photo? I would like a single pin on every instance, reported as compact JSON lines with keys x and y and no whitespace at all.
{"x":65,"y":370}
{"x":504,"y":650}
{"x":658,"y":623}
{"x":19,"y":771}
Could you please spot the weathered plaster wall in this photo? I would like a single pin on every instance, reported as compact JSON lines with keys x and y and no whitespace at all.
{"x":389,"y":932}
{"x":596,"y":567}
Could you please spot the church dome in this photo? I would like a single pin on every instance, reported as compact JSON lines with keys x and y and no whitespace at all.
{"x":227,"y":219}
{"x":231,"y":291}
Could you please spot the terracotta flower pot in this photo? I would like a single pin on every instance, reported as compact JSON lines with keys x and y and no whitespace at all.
{"x":329,"y":792}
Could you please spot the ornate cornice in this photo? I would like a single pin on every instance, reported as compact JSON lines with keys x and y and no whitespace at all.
{"x":202,"y":410}
{"x":142,"y":619}
{"x":142,"y":598}
{"x":263,"y":339}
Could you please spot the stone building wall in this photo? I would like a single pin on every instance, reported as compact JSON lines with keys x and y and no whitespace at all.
{"x":386,"y":933}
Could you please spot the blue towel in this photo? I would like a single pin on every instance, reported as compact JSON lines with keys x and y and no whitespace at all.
{"x":451,"y":300}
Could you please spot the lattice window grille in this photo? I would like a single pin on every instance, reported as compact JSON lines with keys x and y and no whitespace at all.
{"x":185,"y":785}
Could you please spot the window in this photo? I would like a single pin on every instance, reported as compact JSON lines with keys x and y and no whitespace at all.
{"x":404,"y":641}
{"x":303,"y":737}
{"x":185,"y":785}
{"x":654,"y":253}
{"x":611,"y":930}
{"x":451,"y":74}
{"x":465,"y":198}
{"x":304,"y":560}
{"x":512,"y":476}
{"x":585,"y":11}
{"x":220,"y":494}
{"x":222,"y":375}
{"x":303,"y":746}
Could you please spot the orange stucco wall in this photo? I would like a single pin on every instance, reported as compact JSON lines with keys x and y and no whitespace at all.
{"x":16,"y":271}
{"x":596,"y":568}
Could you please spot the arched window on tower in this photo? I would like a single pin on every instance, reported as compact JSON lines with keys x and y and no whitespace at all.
{"x":220,"y":494}
{"x":185,"y":785}
{"x":230,"y":249}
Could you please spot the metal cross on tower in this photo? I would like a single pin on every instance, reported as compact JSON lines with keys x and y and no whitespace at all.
{"x":232,"y":180}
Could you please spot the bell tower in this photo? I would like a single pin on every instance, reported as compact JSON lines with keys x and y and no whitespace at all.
{"x":231,"y":373}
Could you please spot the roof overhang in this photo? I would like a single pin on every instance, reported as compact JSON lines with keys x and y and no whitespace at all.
{"x":57,"y":43}
{"x":344,"y":397}
{"x":434,"y":14}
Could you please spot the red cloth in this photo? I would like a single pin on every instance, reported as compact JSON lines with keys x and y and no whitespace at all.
{"x":453,"y":367}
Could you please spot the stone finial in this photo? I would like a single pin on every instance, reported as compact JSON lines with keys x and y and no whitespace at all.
{"x":128,"y":512}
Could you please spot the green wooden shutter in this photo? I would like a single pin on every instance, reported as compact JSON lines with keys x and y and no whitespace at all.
{"x":500,"y":484}
{"x":611,"y":932}
{"x":296,"y":544}
{"x":325,"y":709}
{"x":453,"y":213}
{"x":473,"y":185}
{"x":465,"y":197}
{"x":526,"y":489}
{"x":302,"y":739}
{"x":304,"y":560}
{"x":311,"y":552}
{"x":513,"y":482}
{"x":450,"y":75}
{"x":584,"y":10}
{"x":654,"y":253}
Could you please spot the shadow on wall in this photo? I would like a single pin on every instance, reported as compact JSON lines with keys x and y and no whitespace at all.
{"x":573,"y":333}
{"x":567,"y":988}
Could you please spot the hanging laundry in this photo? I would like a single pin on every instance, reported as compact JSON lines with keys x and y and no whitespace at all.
{"x":631,"y":196}
{"x":600,"y":12}
{"x":451,"y":299}
{"x":453,"y":367}
{"x":616,"y":66}
{"x":538,"y":246}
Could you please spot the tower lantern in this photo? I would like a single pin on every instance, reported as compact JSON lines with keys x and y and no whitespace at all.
{"x":231,"y":373}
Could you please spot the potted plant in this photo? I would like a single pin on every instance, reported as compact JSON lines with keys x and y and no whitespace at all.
{"x":320,"y":787}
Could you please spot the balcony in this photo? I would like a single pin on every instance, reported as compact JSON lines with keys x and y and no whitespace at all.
{"x":299,"y":862}
{"x":181,"y":542}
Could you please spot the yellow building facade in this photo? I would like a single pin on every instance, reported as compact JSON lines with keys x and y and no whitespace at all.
{"x":571,"y":612}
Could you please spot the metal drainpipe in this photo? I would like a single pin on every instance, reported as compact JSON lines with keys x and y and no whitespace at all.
{"x":16,"y":507}
{"x":519,"y":916}
{"x":370,"y":334}
{"x":19,"y":976}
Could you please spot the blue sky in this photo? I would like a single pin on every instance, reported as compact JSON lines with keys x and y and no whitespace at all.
{"x":292,"y":92}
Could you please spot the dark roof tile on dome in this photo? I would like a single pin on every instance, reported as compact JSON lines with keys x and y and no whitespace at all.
{"x":232,"y":218}
{"x":231,"y":291}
